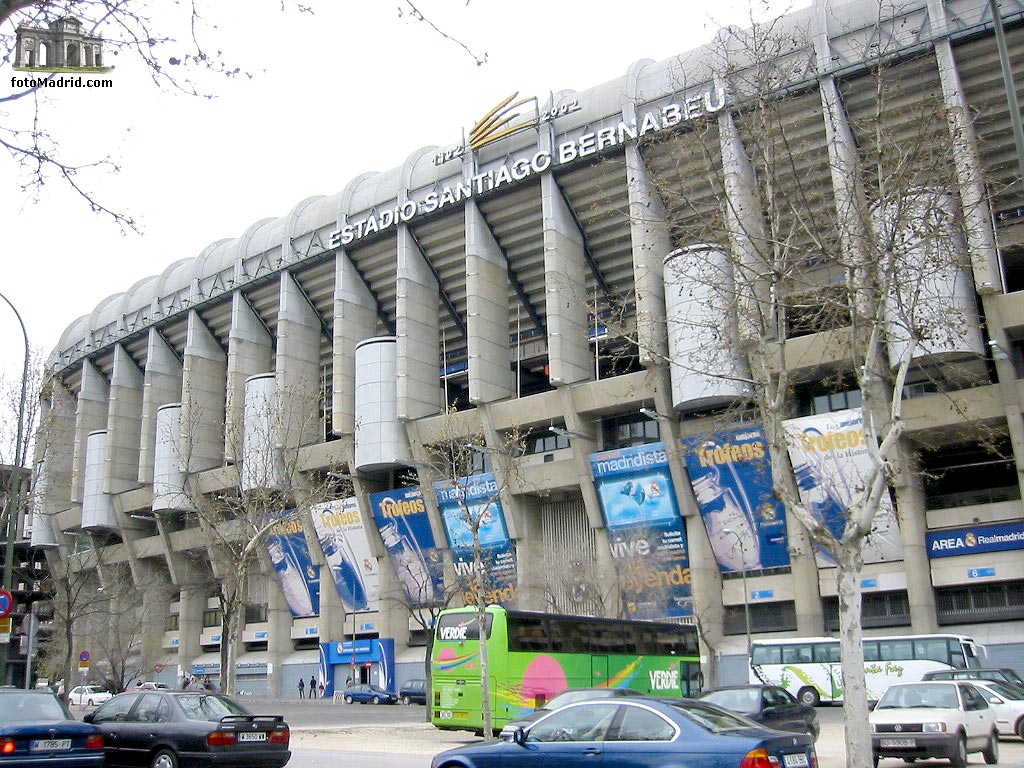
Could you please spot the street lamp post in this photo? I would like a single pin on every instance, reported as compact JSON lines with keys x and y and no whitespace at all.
{"x":743,"y":576}
{"x":14,"y":503}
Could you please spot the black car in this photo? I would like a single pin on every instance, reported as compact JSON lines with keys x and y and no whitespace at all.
{"x":37,"y":730}
{"x":165,"y":729}
{"x":766,"y":704}
{"x":413,"y":692}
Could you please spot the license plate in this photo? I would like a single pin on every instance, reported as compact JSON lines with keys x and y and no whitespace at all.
{"x":795,"y":761}
{"x":50,"y":745}
{"x":898,"y":743}
{"x":252,"y":736}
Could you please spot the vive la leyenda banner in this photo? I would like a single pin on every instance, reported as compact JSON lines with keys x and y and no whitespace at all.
{"x":293,"y":568}
{"x":347,"y":552}
{"x":401,"y":517}
{"x":477,"y":498}
{"x":830,"y":461}
{"x":731,"y":475}
{"x":647,"y":534}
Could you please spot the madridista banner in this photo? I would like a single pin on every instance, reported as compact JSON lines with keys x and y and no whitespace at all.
{"x":401,"y":518}
{"x":646,"y":533}
{"x":731,"y":475}
{"x":831,"y":461}
{"x":474,"y":501}
{"x":347,"y":552}
{"x":298,"y":578}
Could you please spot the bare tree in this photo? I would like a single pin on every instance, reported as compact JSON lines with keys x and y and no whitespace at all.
{"x":808,"y":205}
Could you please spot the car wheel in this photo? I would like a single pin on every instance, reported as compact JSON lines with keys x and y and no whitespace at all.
{"x":406,"y":700}
{"x":874,"y":761}
{"x":91,"y":704}
{"x":164,"y":759}
{"x":809,"y":696}
{"x":1020,"y":728}
{"x":959,"y":758}
{"x":991,"y":752}
{"x":376,"y":699}
{"x":348,"y":699}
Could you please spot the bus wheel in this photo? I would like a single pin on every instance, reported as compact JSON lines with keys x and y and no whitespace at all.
{"x":809,"y":696}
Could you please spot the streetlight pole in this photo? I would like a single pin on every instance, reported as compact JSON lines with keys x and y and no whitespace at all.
{"x":743,"y":576}
{"x":14,"y":502}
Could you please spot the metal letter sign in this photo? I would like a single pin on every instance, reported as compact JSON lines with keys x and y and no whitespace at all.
{"x":6,"y":603}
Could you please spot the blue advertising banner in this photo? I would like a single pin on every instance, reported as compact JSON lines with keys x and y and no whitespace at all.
{"x":974,"y":540}
{"x":831,"y":463}
{"x":347,"y":551}
{"x":401,"y":517}
{"x":647,"y":534}
{"x":731,"y":475}
{"x":298,"y":578}
{"x":462,"y":504}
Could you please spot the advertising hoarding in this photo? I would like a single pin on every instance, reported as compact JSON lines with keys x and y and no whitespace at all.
{"x":298,"y":578}
{"x":975,"y":540}
{"x":401,"y":518}
{"x":351,"y":564}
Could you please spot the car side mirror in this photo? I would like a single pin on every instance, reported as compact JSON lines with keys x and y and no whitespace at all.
{"x":88,"y":718}
{"x":872,"y":705}
{"x":519,"y":736}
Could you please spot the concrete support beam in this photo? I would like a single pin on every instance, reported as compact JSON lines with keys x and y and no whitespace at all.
{"x":355,"y":319}
{"x":202,"y":398}
{"x":161,"y":385}
{"x":299,"y":378}
{"x":124,"y":424}
{"x":90,"y":415}
{"x":250,"y":351}
{"x":418,"y":327}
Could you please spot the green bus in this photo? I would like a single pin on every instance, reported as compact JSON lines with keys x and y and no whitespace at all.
{"x":534,"y":656}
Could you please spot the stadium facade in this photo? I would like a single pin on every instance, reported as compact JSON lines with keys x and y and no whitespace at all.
{"x":514,"y":285}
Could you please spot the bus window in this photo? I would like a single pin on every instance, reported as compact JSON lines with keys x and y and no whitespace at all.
{"x":460,"y":626}
{"x":766,"y":654}
{"x":870,"y":651}
{"x":826,"y":653}
{"x":606,"y":639}
{"x":528,"y":633}
{"x":895,"y":650}
{"x":796,"y":654}
{"x":555,"y":635}
{"x":933,"y":648}
{"x":575,"y":635}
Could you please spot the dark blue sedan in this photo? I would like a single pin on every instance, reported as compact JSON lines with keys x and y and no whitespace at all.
{"x":369,"y":694}
{"x":36,"y":729}
{"x":640,"y":732}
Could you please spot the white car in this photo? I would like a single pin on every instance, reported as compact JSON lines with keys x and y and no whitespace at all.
{"x":88,"y":695}
{"x":1008,"y":704}
{"x":934,"y":719}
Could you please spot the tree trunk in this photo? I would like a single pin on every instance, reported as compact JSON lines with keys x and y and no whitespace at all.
{"x":851,"y":638}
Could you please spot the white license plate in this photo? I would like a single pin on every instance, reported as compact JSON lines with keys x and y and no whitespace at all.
{"x":897,"y":743}
{"x":250,"y":736}
{"x":795,"y":761}
{"x":50,"y":745}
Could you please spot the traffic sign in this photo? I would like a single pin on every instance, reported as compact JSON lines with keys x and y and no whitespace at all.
{"x":6,"y":603}
{"x":84,"y":656}
{"x":158,"y":667}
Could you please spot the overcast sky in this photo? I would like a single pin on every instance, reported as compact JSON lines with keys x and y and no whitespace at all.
{"x":350,"y":89}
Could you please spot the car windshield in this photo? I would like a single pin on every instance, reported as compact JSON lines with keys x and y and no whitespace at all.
{"x":739,"y":699}
{"x":1013,"y":677}
{"x":31,"y":707}
{"x":712,"y":718}
{"x":926,"y":696}
{"x":1004,"y":690}
{"x":207,"y":707}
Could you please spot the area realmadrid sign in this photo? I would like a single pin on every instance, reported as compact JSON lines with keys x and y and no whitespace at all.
{"x":499,"y":123}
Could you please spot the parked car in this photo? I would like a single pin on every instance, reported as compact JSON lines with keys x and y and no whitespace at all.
{"x":165,"y":729}
{"x":1008,"y":704}
{"x":934,"y":719}
{"x":563,"y":698}
{"x":635,"y":732}
{"x":369,"y":694}
{"x":89,"y":695}
{"x":37,"y":729}
{"x":999,"y":674}
{"x":769,"y":705}
{"x":413,"y":692}
{"x":151,"y":686}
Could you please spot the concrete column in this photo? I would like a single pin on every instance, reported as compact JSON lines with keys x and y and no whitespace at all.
{"x":355,"y":319}
{"x":124,"y":424}
{"x":161,"y":385}
{"x":649,"y":233}
{"x":55,"y":446}
{"x":487,"y":285}
{"x":91,"y":414}
{"x":279,"y":644}
{"x":912,"y":513}
{"x":418,"y":326}
{"x":154,"y":583}
{"x":565,"y":289}
{"x":190,"y":626}
{"x":203,"y":394}
{"x":250,"y":351}
{"x":298,"y":367}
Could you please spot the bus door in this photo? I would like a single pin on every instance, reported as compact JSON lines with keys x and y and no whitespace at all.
{"x":598,"y":670}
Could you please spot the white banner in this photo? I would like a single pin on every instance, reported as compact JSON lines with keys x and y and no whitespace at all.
{"x":347,"y":551}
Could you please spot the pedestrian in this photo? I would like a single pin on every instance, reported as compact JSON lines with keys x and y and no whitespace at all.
{"x":321,"y":690}
{"x":302,"y":687}
{"x":312,"y":687}
{"x":348,"y":682}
